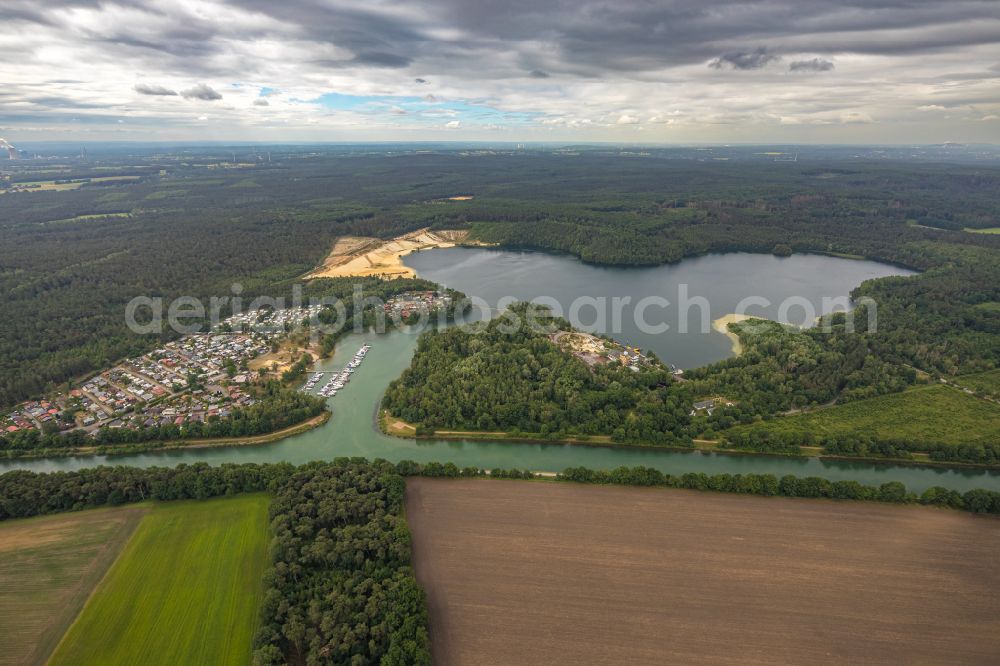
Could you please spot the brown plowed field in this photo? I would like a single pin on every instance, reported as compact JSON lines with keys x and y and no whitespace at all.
{"x":549,"y":573}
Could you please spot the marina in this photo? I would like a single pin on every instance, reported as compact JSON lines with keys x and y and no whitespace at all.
{"x":339,"y":379}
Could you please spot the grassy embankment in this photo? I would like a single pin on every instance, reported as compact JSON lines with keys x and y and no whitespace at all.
{"x":397,"y":427}
{"x":983,"y":383}
{"x":931,"y":414}
{"x":186,"y":589}
{"x":48,"y":568}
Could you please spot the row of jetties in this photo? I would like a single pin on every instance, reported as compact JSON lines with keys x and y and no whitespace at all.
{"x":340,"y":379}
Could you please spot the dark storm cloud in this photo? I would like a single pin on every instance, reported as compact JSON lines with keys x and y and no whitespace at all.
{"x":146,"y":89}
{"x":368,"y":59}
{"x":420,"y":81}
{"x":379,"y":59}
{"x":744,"y":59}
{"x":365,"y":33}
{"x":583,"y":38}
{"x":538,"y":74}
{"x":594,"y":37}
{"x":202,"y":92}
{"x":813,"y":65}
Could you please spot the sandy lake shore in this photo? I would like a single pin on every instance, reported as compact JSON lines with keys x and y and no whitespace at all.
{"x":722,"y":326}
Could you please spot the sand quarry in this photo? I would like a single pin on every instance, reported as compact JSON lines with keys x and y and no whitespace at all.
{"x":361,"y":256}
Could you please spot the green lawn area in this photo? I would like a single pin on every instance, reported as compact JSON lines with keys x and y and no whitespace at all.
{"x":48,"y":568}
{"x":930,"y":414}
{"x":987,"y":383}
{"x":989,"y":306}
{"x":991,"y":230}
{"x":186,"y":589}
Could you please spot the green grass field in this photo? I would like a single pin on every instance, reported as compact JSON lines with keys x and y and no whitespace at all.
{"x":48,"y":568}
{"x":991,"y":230}
{"x":924,"y":414}
{"x":186,"y":589}
{"x":986,"y":383}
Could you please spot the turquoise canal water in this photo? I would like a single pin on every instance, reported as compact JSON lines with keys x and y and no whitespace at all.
{"x":351,"y":432}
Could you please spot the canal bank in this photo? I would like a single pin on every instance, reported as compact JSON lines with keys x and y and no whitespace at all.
{"x":351,"y":431}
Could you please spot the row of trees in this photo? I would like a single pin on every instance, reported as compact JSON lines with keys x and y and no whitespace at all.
{"x":350,"y":495}
{"x":976,"y":501}
{"x":860,"y":446}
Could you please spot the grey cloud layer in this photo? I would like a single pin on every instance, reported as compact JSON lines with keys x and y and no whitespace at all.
{"x":145,"y":89}
{"x":202,"y":92}
{"x":538,"y":56}
{"x":811,"y":65}
{"x":744,"y":59}
{"x":589,"y":36}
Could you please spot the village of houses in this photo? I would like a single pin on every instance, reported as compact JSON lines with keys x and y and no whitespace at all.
{"x":593,"y":350}
{"x":193,"y":379}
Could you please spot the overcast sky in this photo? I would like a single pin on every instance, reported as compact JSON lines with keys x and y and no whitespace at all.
{"x":818,"y":71}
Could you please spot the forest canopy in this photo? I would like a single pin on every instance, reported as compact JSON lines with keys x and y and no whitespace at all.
{"x":72,"y":259}
{"x":494,"y":378}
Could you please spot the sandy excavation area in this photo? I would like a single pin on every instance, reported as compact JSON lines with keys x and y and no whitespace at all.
{"x":360,"y":256}
{"x":549,"y":573}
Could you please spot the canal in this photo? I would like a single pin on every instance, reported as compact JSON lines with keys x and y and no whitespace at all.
{"x":722,"y":279}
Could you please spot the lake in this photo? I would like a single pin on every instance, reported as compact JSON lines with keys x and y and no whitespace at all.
{"x":699,"y":290}
{"x":351,"y":432}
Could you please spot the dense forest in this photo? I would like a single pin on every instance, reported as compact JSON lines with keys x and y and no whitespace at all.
{"x":193,"y":224}
{"x":783,"y":367}
{"x":341,"y":590}
{"x":519,"y":381}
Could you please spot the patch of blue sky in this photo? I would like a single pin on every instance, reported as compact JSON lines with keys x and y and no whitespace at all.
{"x":425,"y":110}
{"x":342,"y":102}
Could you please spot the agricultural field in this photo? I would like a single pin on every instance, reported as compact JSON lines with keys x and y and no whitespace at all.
{"x":559,"y":573}
{"x":984,"y":383}
{"x":928,"y":414}
{"x":81,"y":218}
{"x":186,"y":589}
{"x":64,"y":185}
{"x":991,"y":230}
{"x":48,"y":568}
